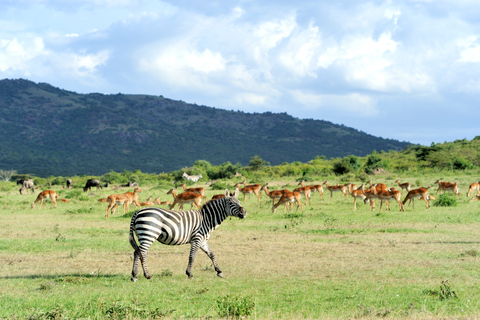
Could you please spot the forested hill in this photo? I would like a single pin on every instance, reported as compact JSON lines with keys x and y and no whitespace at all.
{"x":49,"y":131}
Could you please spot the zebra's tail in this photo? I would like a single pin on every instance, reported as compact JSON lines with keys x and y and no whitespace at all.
{"x":131,"y":237}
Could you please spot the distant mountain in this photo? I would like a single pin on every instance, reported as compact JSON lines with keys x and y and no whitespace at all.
{"x":49,"y":131}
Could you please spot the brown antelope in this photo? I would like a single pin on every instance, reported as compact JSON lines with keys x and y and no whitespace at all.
{"x":103,"y":200}
{"x":44,"y":195}
{"x":199,"y":190}
{"x":370,"y":195}
{"x":404,"y":185}
{"x":185,"y":197}
{"x":149,"y":202}
{"x":114,"y":200}
{"x":355,"y":194}
{"x":448,"y":186}
{"x":313,"y":187}
{"x":274,"y":194}
{"x":474,"y":186}
{"x":161,"y":203}
{"x":388,"y":194}
{"x":249,"y":189}
{"x":338,"y":188}
{"x":421,"y":193}
{"x":476,"y":198}
{"x":288,"y":197}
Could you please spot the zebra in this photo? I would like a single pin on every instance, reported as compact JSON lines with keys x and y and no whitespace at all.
{"x":192,"y":178}
{"x":181,"y":227}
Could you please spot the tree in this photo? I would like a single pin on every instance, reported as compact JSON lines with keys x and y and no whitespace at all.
{"x":7,"y":174}
{"x":256,"y":163}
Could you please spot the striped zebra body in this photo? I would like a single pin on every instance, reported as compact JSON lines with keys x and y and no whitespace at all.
{"x":180,"y":227}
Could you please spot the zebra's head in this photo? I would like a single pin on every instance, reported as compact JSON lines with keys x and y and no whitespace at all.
{"x":234,"y":207}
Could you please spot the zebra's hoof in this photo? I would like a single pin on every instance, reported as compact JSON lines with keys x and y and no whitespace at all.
{"x":134,"y":279}
{"x":220,"y":275}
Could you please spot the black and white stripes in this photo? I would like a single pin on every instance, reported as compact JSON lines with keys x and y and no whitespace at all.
{"x":181,"y":227}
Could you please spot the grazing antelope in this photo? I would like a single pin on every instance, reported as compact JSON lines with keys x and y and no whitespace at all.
{"x":421,"y":193}
{"x":199,"y":190}
{"x":447,"y":186}
{"x":355,"y":194}
{"x":161,"y":203}
{"x":288,"y":197}
{"x":404,"y":185}
{"x":149,"y":202}
{"x":338,"y":188}
{"x":185,"y":197}
{"x":474,"y":186}
{"x":44,"y":195}
{"x":476,"y":198}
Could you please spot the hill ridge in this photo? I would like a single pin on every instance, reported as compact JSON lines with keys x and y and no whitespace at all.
{"x":51,"y":131}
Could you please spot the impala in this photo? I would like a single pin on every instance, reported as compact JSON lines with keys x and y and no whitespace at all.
{"x":161,"y":203}
{"x":306,"y":192}
{"x":249,"y":189}
{"x":421,"y":193}
{"x":313,"y":187}
{"x":474,"y":186}
{"x":44,"y":195}
{"x":404,"y":185}
{"x":275,"y":194}
{"x":199,"y":190}
{"x":288,"y":197}
{"x":185,"y":197}
{"x":149,"y":202}
{"x":388,"y":194}
{"x":476,"y":198}
{"x":338,"y":188}
{"x":114,"y":200}
{"x":448,"y":186}
{"x":370,"y":195}
{"x":355,"y":193}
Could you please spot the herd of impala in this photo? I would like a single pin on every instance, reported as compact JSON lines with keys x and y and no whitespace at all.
{"x":194,"y":196}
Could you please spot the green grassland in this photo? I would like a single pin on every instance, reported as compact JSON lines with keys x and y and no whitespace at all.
{"x":328,"y":262}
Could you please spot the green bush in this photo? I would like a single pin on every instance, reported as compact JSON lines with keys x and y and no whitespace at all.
{"x":235,"y":306}
{"x":446,"y":200}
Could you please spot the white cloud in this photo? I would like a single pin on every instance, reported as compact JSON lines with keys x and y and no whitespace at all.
{"x":352,"y":104}
{"x":17,"y":55}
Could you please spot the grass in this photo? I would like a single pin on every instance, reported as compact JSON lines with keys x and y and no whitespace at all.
{"x":328,"y":262}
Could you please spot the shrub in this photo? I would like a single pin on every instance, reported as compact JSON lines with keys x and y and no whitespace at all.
{"x":235,"y":306}
{"x":446,"y":200}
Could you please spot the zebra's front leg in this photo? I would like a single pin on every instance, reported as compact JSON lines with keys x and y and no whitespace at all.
{"x":191,"y":258}
{"x":206,"y":248}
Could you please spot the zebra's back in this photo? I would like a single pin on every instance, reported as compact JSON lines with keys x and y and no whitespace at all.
{"x":167,"y":226}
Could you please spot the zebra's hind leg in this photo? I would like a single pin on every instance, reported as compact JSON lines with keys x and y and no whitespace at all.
{"x":206,"y":248}
{"x":142,"y":256}
{"x":136,"y":260}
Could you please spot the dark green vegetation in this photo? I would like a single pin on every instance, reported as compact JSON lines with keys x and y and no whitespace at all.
{"x":50,"y":131}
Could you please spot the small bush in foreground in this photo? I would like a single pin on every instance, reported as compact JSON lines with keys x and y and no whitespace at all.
{"x":235,"y":306}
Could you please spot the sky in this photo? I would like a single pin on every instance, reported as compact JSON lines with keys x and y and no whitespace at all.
{"x":406,"y":70}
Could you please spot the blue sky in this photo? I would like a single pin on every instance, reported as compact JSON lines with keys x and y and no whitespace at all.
{"x":406,"y":70}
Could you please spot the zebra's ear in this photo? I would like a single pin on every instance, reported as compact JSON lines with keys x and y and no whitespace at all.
{"x":236,"y":193}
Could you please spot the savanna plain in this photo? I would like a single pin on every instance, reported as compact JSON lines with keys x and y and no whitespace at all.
{"x":327,"y":262}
